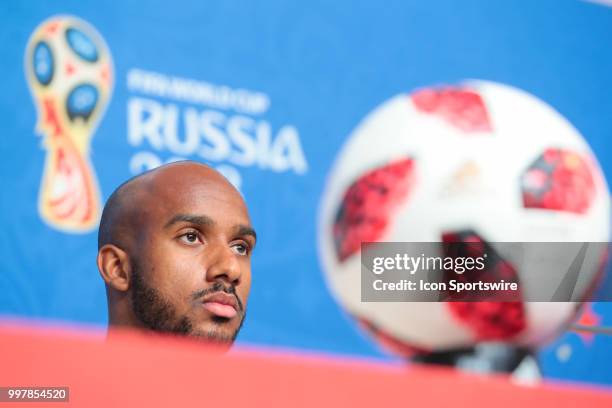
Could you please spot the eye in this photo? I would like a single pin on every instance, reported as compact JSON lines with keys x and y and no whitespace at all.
{"x":190,"y":238}
{"x":241,"y":248}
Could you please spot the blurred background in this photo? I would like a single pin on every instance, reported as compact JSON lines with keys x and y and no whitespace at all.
{"x":266,"y":92}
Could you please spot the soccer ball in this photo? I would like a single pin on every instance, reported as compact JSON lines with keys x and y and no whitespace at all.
{"x":476,"y":161}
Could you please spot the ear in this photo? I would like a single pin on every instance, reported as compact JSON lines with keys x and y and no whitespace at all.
{"x":114,"y":267}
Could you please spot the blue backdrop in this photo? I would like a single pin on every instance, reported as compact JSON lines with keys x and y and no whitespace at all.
{"x":282,"y":87}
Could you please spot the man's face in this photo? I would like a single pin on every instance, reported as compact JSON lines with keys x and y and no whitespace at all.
{"x":191,"y":268}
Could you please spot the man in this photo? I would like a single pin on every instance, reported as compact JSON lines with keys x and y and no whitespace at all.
{"x":174,"y":249}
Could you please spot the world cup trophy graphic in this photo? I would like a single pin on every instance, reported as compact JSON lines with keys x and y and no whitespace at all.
{"x":69,"y":71}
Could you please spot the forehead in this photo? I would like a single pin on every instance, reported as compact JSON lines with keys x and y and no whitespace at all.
{"x":197,"y":193}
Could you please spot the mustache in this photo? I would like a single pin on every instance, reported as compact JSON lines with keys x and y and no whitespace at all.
{"x":218,"y":287}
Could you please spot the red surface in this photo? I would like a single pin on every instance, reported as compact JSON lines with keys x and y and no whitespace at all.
{"x":137,"y":370}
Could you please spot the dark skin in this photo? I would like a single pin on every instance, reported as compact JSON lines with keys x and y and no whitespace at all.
{"x":175,"y":253}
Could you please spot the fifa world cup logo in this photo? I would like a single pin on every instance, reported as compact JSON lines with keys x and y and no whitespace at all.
{"x":70,"y":74}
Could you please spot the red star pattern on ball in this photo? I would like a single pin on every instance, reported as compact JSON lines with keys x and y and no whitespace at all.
{"x":462,"y":108}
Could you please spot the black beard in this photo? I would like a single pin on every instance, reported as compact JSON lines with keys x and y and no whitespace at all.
{"x":159,"y":315}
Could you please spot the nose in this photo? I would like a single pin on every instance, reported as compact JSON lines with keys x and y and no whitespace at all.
{"x":224,"y":265}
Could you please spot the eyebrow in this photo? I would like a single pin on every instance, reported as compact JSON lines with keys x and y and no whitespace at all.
{"x":201,"y":220}
{"x":246,"y":230}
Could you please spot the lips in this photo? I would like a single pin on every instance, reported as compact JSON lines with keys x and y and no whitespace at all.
{"x":221,"y":304}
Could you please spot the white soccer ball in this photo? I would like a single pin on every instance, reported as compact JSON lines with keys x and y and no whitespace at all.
{"x":476,"y":158}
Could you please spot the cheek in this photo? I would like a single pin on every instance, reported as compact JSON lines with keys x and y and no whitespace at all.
{"x":245,"y":283}
{"x":173,"y":273}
